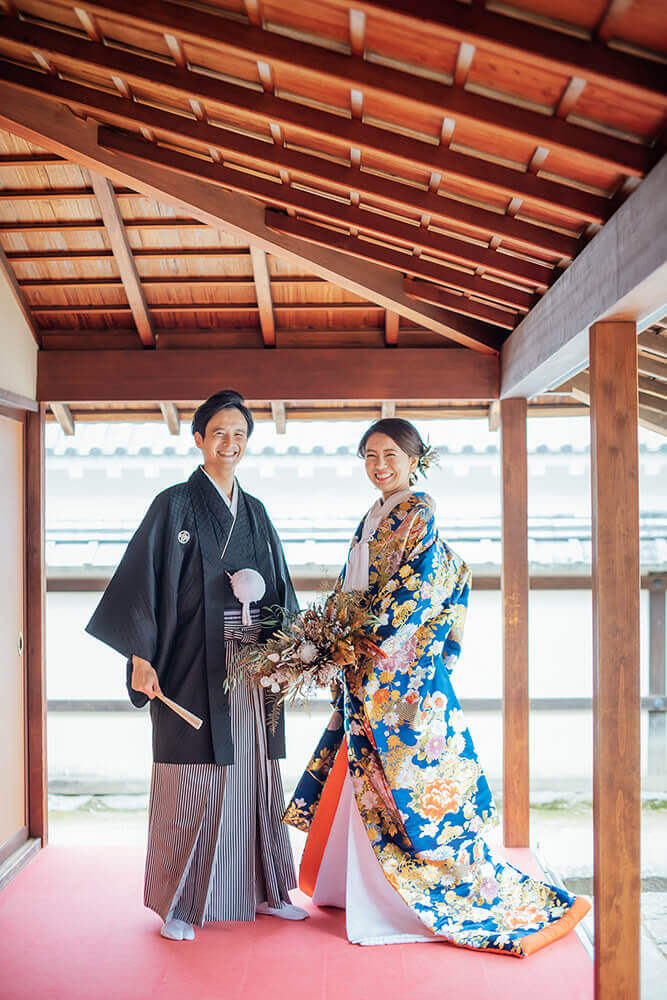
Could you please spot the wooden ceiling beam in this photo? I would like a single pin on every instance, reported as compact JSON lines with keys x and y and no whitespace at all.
{"x":286,"y":373}
{"x":654,"y":367}
{"x":406,"y":263}
{"x":174,"y":127}
{"x":224,"y":281}
{"x":448,"y":102}
{"x":648,"y":417}
{"x":560,"y":52}
{"x":391,"y":327}
{"x":532,"y":238}
{"x":426,"y":291}
{"x":279,"y":416}
{"x":58,"y":256}
{"x":613,"y":14}
{"x":7,"y":271}
{"x":213,"y":307}
{"x":55,"y":128}
{"x":621,"y":274}
{"x":260,"y":270}
{"x":439,"y":160}
{"x":122,"y":251}
{"x":171,"y":417}
{"x":63,"y":415}
{"x":653,"y":343}
{"x":654,"y":386}
{"x":13,"y":161}
{"x":554,"y":51}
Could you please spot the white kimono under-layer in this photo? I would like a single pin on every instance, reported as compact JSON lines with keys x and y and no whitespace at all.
{"x":350,"y":877}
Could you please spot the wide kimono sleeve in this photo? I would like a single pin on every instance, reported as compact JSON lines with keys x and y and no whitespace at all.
{"x":141,"y":598}
{"x":419,"y":586}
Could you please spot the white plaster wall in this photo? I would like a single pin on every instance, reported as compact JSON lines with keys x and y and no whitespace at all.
{"x":18,"y":351}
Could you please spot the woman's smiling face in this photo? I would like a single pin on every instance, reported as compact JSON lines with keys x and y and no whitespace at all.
{"x":387,"y":466}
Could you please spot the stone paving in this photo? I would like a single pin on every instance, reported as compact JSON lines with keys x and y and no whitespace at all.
{"x":654,"y":918}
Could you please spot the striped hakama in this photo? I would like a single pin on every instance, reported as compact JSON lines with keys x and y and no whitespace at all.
{"x":216,"y":842}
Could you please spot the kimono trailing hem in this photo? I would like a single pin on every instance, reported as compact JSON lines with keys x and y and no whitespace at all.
{"x":319,"y":831}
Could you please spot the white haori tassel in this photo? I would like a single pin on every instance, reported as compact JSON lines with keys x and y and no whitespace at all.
{"x":358,"y":561}
{"x":248,"y":587}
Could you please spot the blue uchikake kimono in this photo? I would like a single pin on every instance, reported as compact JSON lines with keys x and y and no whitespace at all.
{"x":399,"y":733}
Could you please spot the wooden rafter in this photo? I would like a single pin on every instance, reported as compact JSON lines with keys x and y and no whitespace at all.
{"x":56,"y":129}
{"x":455,"y":103}
{"x":557,"y":51}
{"x":260,"y":270}
{"x":650,"y":418}
{"x":426,"y":291}
{"x":440,"y":160}
{"x":122,"y":252}
{"x":171,"y":417}
{"x":653,"y":343}
{"x":7,"y":271}
{"x":279,"y":416}
{"x":654,"y":367}
{"x":201,"y":27}
{"x":403,"y":262}
{"x":289,"y":373}
{"x":532,"y":238}
{"x":612,"y":15}
{"x":391,"y":327}
{"x":313,"y":169}
{"x":63,"y":415}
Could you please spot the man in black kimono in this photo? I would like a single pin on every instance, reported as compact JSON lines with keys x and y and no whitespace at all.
{"x":217,"y":849}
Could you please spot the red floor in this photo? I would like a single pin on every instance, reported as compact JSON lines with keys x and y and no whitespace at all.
{"x":72,"y":928}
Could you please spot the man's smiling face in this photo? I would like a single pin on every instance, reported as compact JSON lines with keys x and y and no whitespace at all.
{"x":224,"y":442}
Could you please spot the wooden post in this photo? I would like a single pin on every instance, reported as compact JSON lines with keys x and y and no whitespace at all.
{"x":35,"y":615}
{"x":514,"y":585}
{"x":616,"y":691}
{"x":657,"y":721}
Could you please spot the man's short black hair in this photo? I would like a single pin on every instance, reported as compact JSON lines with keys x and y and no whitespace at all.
{"x":226,"y":399}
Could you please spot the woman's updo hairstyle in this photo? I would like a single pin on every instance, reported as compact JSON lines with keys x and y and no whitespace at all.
{"x":408,"y":439}
{"x":226,"y":399}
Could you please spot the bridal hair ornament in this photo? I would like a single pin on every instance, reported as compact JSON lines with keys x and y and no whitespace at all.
{"x":430,"y":456}
{"x":248,"y":587}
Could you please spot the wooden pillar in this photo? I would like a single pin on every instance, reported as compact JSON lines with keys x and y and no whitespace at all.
{"x":514,"y":585}
{"x":616,"y":690}
{"x":35,"y":615}
{"x":657,"y":722}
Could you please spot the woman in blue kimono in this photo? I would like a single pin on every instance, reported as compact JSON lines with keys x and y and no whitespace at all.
{"x":394,"y":799}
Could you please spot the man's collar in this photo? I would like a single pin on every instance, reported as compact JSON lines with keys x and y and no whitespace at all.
{"x":232,"y":504}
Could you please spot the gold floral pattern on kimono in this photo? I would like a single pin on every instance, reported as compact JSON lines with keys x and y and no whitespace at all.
{"x":421,"y":791}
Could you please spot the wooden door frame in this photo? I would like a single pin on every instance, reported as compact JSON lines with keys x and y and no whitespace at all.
{"x":32,"y":417}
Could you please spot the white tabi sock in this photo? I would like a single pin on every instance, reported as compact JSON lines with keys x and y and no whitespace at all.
{"x":286,"y":911}
{"x":177,"y":930}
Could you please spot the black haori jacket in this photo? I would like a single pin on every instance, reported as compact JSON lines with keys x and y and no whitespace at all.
{"x":166,"y":601}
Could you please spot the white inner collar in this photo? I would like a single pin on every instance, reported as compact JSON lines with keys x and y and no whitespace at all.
{"x":234,"y":502}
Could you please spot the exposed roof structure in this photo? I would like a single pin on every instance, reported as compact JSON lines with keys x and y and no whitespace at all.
{"x":381,"y":174}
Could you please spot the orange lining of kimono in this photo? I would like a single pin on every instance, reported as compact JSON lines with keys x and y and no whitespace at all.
{"x":533,"y":942}
{"x":318,"y":836}
{"x":320,"y":828}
